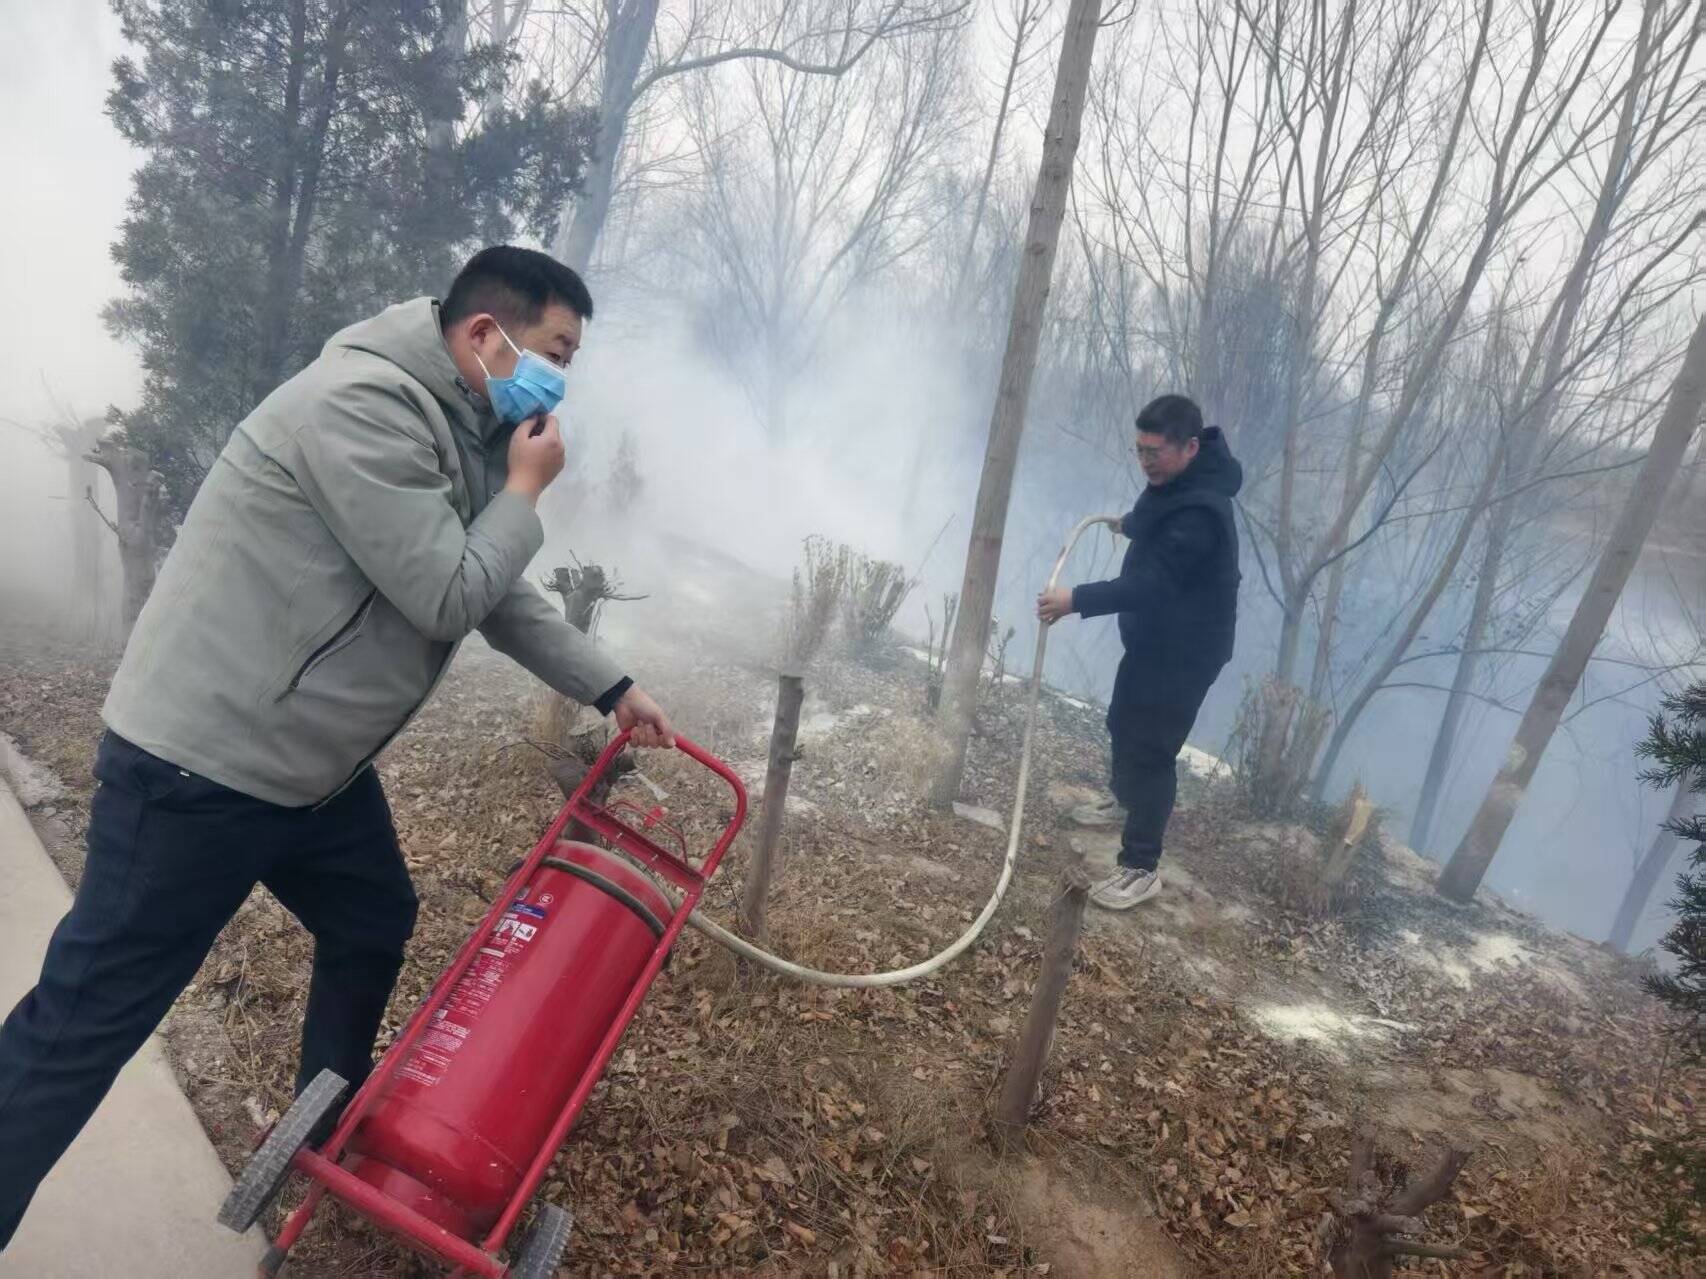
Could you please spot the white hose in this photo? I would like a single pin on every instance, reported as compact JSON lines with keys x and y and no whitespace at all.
{"x":900,"y":976}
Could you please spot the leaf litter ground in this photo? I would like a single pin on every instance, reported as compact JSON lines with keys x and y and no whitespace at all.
{"x":1216,"y":1049}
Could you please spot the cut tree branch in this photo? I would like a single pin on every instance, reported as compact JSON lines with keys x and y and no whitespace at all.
{"x":89,"y":494}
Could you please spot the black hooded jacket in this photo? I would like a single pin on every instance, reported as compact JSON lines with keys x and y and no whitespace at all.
{"x":1177,"y":592}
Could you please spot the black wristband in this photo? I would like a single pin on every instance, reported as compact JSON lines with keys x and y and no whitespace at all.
{"x":604,"y":705}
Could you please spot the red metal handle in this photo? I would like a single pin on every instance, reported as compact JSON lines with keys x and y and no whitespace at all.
{"x":635,"y":843}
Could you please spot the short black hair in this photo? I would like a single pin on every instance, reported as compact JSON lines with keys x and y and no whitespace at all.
{"x":1175,"y":417}
{"x":514,"y":284}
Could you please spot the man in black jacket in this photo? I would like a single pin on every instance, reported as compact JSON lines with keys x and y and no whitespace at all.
{"x":1177,"y":601}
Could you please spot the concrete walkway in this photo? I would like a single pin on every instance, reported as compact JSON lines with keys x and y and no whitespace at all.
{"x":134,"y":1197}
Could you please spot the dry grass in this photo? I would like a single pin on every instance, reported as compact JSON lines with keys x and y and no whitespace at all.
{"x":875,"y":591}
{"x":1289,"y":871}
{"x":819,"y":588}
{"x":555,"y":719}
{"x":752,"y":1126}
{"x":911,"y":749}
{"x":1274,"y":742}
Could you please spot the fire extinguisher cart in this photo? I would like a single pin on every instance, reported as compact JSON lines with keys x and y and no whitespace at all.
{"x":453,"y":1131}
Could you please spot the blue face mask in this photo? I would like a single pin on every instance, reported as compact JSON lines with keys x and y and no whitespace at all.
{"x":536,"y":386}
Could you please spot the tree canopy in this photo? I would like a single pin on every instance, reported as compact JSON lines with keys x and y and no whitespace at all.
{"x":307,"y":163}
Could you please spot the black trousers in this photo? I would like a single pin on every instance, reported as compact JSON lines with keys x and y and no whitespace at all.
{"x":1148,"y":722}
{"x":171,"y":858}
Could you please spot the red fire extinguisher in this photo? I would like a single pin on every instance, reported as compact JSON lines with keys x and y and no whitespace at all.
{"x":458,"y":1123}
{"x":452,"y":1133}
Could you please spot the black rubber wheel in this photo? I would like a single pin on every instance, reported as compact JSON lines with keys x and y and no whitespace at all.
{"x":269,"y":1167}
{"x":543,"y":1246}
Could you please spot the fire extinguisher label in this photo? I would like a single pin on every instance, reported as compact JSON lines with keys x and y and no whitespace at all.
{"x":453,"y":1020}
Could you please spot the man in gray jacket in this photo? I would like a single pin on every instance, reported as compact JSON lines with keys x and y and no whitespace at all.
{"x":367,"y":516}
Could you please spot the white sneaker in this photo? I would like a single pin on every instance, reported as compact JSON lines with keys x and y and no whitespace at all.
{"x":1125,"y":888}
{"x":1104,"y":813}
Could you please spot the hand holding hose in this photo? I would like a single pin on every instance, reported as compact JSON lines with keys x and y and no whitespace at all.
{"x":1055,"y":603}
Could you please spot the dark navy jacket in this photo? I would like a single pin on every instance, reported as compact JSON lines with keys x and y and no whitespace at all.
{"x":1177,"y":592}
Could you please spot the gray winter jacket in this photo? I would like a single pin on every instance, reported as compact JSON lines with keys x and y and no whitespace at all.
{"x":350,"y":534}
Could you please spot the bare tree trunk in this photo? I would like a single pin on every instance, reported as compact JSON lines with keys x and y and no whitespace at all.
{"x":1030,"y":1056}
{"x":584,"y":589}
{"x":571,"y":749}
{"x":1025,"y":19}
{"x":141,"y":523}
{"x":1670,"y":442}
{"x":582,"y":593}
{"x":1277,"y":737}
{"x":1474,"y":640}
{"x":284,"y":180}
{"x":631,"y":25}
{"x":91,"y":611}
{"x":1330,"y":605}
{"x":1692,"y":477}
{"x":451,"y":47}
{"x":1512,"y":169}
{"x":790,"y":696}
{"x":1534,"y":422}
{"x":1013,"y":393}
{"x":1651,"y":868}
{"x":502,"y":23}
{"x":1457,"y":701}
{"x":1302,"y":341}
{"x":1413,"y":627}
{"x":1223,"y":228}
{"x":294,"y":199}
{"x":1283,"y":701}
{"x":1369,"y":381}
{"x":1304,"y":318}
{"x":580,"y":606}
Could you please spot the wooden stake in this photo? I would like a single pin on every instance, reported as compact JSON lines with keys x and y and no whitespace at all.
{"x":1031,"y":1055}
{"x":790,"y":695}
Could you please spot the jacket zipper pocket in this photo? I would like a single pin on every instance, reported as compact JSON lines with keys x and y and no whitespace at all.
{"x":393,"y":734}
{"x":341,"y":639}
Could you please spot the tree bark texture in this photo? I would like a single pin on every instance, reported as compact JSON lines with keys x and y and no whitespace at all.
{"x":296,"y":190}
{"x":1340,"y":852}
{"x":1013,"y":393}
{"x":1533,"y":423}
{"x":93,"y":611}
{"x":790,"y":696}
{"x":140,"y":494}
{"x":631,"y":26}
{"x":1670,"y":442}
{"x":1651,"y":867}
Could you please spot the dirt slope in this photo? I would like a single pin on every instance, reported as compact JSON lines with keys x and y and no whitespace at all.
{"x":1215,"y":1055}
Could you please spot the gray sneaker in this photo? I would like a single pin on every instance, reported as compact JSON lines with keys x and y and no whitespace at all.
{"x":1125,"y":888}
{"x":1098,"y":816}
